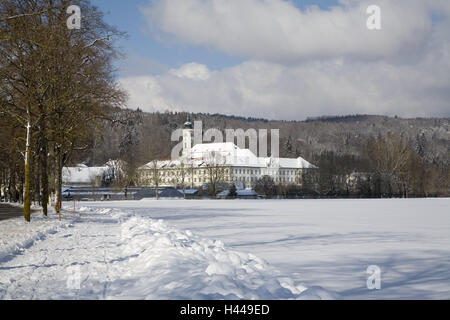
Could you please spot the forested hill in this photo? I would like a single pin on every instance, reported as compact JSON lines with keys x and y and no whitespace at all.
{"x":146,"y":136}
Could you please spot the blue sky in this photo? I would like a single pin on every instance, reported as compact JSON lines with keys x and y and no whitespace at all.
{"x":148,"y":55}
{"x":142,"y":48}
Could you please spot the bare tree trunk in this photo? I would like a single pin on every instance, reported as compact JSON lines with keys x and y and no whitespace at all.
{"x":10,"y":185}
{"x":37,"y":183}
{"x":44,"y":176}
{"x":44,"y":165}
{"x":26,"y":196}
{"x":58,"y":178}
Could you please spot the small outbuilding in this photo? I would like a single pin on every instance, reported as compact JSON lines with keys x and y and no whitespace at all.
{"x":240,"y":194}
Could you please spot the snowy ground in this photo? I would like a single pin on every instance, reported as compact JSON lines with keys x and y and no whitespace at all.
{"x":231,"y":249}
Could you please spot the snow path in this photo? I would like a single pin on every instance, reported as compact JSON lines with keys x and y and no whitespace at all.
{"x":42,"y":268}
{"x":109,"y":254}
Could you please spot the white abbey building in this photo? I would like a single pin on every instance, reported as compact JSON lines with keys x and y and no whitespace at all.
{"x":219,"y":163}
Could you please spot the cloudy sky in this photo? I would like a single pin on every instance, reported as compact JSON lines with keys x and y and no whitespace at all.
{"x":281,"y":59}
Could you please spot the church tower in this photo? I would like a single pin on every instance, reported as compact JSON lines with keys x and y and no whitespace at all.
{"x":188,"y":136}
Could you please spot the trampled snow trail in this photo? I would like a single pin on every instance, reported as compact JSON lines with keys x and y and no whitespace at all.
{"x":108,"y":254}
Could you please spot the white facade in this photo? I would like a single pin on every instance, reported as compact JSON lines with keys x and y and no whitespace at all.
{"x":83,"y":175}
{"x":220,"y":162}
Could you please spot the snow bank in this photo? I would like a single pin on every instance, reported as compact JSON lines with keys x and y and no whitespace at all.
{"x":328,"y":243}
{"x":167,"y":263}
{"x":122,"y":255}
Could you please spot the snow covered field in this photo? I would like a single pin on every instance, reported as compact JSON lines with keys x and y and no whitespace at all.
{"x":231,"y":249}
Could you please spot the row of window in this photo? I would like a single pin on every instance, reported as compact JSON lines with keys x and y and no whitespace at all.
{"x":234,"y":179}
{"x":257,"y":172}
{"x":254,"y":179}
{"x":179,"y":173}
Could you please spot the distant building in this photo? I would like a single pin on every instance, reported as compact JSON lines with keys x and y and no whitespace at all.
{"x":220,"y":163}
{"x":82,"y":175}
{"x":240,"y":194}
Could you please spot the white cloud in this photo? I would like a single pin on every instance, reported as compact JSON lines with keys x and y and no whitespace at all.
{"x":304,"y":63}
{"x":277,"y":31}
{"x":275,"y":91}
{"x":144,"y":92}
{"x":193,"y":71}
